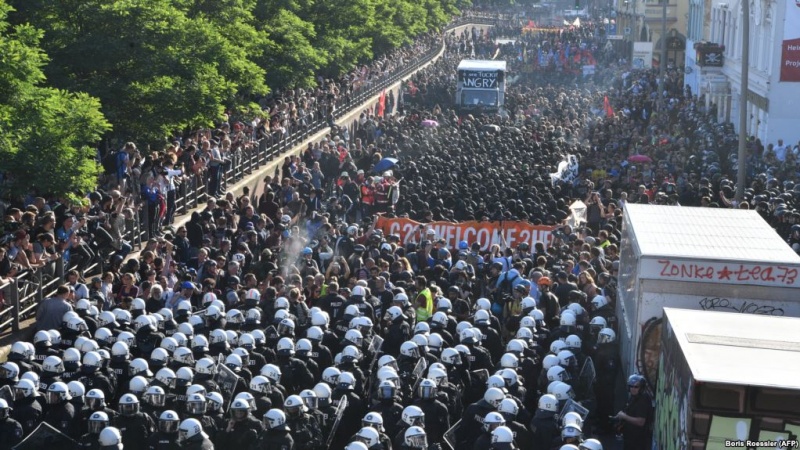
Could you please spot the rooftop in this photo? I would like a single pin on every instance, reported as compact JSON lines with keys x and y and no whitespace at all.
{"x":481,"y":64}
{"x":707,"y":233}
{"x":739,"y":349}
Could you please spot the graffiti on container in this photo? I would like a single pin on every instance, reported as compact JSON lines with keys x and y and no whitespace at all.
{"x":723,"y":272}
{"x":649,"y":349}
{"x":672,"y":394}
{"x":743,"y":306}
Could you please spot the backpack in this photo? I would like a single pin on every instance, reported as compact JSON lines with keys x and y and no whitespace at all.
{"x":507,"y":284}
{"x":110,"y":162}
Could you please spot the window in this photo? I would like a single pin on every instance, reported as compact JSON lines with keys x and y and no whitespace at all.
{"x":479,"y":98}
{"x":719,"y":397}
{"x":768,"y":400}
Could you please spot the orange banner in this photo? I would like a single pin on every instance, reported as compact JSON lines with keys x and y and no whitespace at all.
{"x":485,"y":233}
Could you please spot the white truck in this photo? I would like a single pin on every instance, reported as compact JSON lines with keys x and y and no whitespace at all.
{"x":725,"y":380}
{"x":711,"y":259}
{"x":481,"y":85}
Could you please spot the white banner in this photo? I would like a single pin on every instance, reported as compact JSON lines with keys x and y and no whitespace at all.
{"x":642,"y":55}
{"x":566,"y":171}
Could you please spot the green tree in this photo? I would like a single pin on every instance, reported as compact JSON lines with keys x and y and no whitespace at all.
{"x":291,"y":58}
{"x":342,"y":31}
{"x":155,"y":69}
{"x":396,"y":24}
{"x":45,"y":134}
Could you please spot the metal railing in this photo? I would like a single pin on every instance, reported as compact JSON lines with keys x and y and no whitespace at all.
{"x":20,"y":297}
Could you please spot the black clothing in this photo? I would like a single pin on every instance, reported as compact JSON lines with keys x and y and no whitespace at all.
{"x":306,"y":432}
{"x":275,"y":439}
{"x":637,"y":437}
{"x":397,"y":333}
{"x":11,"y":433}
{"x":244,"y":434}
{"x":135,"y":429}
{"x":62,"y":417}
{"x":471,"y":424}
{"x":437,"y":418}
{"x":544,"y":428}
{"x":163,"y":441}
{"x":28,"y":412}
{"x":198,"y":442}
{"x":296,"y":375}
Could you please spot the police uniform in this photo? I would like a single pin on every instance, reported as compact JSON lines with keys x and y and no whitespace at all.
{"x":135,"y":429}
{"x":275,"y":439}
{"x":472,"y":423}
{"x":306,"y":432}
{"x":163,"y":441}
{"x":28,"y":412}
{"x":11,"y":433}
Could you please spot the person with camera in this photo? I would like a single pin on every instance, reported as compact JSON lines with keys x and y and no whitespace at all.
{"x":637,"y":416}
{"x":595,"y":212}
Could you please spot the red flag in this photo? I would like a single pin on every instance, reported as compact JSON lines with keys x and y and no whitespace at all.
{"x":531,"y":24}
{"x":607,"y":107}
{"x":382,"y":104}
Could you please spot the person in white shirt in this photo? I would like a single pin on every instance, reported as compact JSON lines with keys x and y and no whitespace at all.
{"x":780,"y":151}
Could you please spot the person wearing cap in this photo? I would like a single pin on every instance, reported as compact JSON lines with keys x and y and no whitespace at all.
{"x":186,"y":292}
{"x":548,"y":303}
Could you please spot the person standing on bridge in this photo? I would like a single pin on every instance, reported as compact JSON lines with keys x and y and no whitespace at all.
{"x":51,"y":310}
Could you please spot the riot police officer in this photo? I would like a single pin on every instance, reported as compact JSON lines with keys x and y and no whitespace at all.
{"x":305,"y":430}
{"x":135,"y":426}
{"x":166,"y":435}
{"x":11,"y":432}
{"x":277,"y":435}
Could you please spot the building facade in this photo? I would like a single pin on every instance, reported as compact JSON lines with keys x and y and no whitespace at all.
{"x":647,"y":20}
{"x":771,"y":96}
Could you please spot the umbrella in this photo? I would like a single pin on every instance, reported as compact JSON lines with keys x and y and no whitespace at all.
{"x":430,"y":123}
{"x":639,"y":159}
{"x":384,"y":165}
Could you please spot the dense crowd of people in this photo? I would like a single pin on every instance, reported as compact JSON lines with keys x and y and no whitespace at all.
{"x":291,"y":321}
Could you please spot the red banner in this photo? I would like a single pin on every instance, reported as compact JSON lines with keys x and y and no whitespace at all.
{"x":790,"y":60}
{"x":607,"y":107}
{"x":485,"y":233}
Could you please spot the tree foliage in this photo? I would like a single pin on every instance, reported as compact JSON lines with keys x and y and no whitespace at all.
{"x":45,"y":133}
{"x":164,"y":66}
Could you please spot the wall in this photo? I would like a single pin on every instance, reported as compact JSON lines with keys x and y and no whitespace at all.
{"x":641,"y":354}
{"x":692,"y":71}
{"x":782,"y":121}
{"x":672,"y":395}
